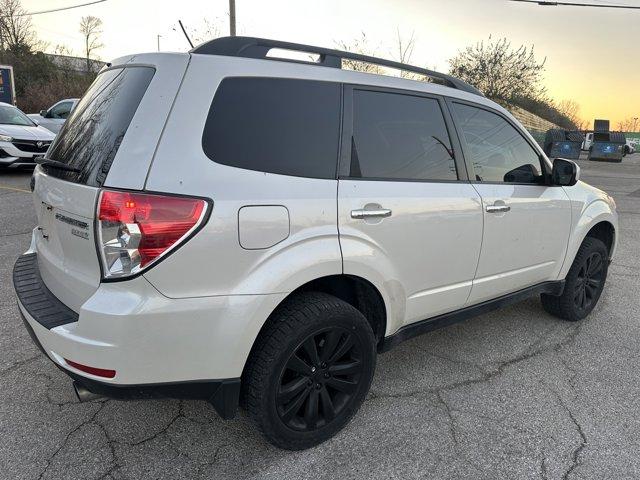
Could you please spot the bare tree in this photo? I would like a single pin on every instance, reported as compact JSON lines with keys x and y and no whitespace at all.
{"x":500,"y":71}
{"x":358,"y":45}
{"x":16,"y":30}
{"x":91,"y":29}
{"x":61,"y":49}
{"x":208,"y":31}
{"x":405,"y":47}
{"x":404,"y":53}
{"x":628,"y":124}
{"x":571,"y":109}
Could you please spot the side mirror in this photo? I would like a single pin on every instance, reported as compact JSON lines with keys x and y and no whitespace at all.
{"x":523,"y":174}
{"x":43,"y":113}
{"x":565,"y":172}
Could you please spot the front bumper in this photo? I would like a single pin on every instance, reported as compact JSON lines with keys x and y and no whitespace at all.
{"x":12,"y":157}
{"x":158,"y":346}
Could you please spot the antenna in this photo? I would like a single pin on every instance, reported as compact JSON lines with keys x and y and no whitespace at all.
{"x":185,"y":33}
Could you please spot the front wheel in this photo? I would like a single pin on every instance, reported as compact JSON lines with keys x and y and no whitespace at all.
{"x":310,"y":371}
{"x":584,"y":283}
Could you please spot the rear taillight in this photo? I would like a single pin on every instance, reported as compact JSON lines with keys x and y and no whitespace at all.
{"x":137,"y":229}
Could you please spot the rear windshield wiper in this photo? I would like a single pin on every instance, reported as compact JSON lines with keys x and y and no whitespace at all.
{"x":56,"y":164}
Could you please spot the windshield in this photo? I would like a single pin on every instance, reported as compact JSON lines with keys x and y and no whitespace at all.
{"x":12,"y":116}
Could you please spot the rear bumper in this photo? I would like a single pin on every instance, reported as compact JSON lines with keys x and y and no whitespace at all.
{"x":222,"y":394}
{"x":158,"y":346}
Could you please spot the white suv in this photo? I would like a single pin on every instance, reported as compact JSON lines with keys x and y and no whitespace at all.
{"x":229,"y":225}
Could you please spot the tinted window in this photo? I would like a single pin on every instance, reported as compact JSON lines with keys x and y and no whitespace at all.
{"x":498,"y":151}
{"x":90,"y":138}
{"x":284,"y":126}
{"x":399,"y":137}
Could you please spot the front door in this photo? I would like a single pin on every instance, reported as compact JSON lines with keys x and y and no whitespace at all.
{"x":526,"y":222}
{"x":408,"y":219}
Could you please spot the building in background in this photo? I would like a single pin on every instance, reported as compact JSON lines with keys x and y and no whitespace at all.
{"x":75,"y":64}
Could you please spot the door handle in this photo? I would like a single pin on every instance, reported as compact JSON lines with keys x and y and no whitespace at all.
{"x":498,"y":208}
{"x":377,"y":213}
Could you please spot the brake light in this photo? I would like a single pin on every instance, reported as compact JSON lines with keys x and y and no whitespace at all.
{"x":137,"y":229}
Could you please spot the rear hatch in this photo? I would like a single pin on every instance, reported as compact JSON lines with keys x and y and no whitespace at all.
{"x":108,"y":141}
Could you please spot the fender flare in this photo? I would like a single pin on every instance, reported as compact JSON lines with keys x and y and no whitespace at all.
{"x":594,"y":213}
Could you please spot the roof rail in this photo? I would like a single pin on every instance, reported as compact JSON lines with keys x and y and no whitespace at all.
{"x":251,"y":47}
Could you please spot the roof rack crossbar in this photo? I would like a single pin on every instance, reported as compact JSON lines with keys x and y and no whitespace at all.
{"x":251,"y":47}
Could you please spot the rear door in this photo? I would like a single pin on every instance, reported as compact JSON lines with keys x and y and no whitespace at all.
{"x":96,"y":149}
{"x":526,"y":222}
{"x":407,"y":217}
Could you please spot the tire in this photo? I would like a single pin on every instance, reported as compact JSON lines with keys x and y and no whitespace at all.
{"x":310,"y":370}
{"x":581,"y":294}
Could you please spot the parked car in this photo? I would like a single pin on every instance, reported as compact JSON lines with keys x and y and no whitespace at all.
{"x":630,"y":147}
{"x":224,"y":225}
{"x":55,"y":116}
{"x":21,"y":140}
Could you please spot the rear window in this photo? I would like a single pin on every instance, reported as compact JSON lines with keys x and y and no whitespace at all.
{"x":90,"y":138}
{"x":275,"y":125}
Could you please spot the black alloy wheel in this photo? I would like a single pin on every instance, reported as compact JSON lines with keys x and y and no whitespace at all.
{"x":319,"y":379}
{"x":310,"y":370}
{"x":584,"y":283}
{"x":589,"y":282}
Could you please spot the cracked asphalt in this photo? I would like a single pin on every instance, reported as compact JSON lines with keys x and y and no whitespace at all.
{"x":512,"y":394}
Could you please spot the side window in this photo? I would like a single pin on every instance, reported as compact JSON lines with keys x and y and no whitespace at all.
{"x":275,"y":125}
{"x":498,"y":151}
{"x":61,"y":110}
{"x":401,"y":137}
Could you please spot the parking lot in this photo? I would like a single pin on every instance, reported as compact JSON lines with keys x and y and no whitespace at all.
{"x":512,"y":394}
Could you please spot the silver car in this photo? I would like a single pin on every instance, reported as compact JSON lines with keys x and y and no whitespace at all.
{"x":53,"y":118}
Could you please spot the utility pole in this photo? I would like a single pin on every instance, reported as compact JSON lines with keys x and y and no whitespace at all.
{"x":232,"y":18}
{"x":159,"y":42}
{"x":635,"y":120}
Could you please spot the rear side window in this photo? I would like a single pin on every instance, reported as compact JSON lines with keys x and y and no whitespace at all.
{"x":90,"y":138}
{"x":275,"y":125}
{"x":399,"y":137}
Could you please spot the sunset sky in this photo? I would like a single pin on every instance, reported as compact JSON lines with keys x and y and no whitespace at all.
{"x":593,"y":54}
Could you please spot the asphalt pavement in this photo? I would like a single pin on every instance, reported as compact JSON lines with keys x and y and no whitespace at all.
{"x":510,"y":395}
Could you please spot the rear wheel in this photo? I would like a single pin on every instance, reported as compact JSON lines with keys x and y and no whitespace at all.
{"x":310,"y":371}
{"x":584,"y":283}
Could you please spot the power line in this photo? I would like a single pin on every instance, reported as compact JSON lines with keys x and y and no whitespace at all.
{"x":574,"y":4}
{"x":53,"y":10}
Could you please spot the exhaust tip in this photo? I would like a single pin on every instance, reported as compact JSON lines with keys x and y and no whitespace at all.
{"x":83,"y":394}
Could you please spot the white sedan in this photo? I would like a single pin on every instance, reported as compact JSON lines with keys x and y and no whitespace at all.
{"x":21,"y":140}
